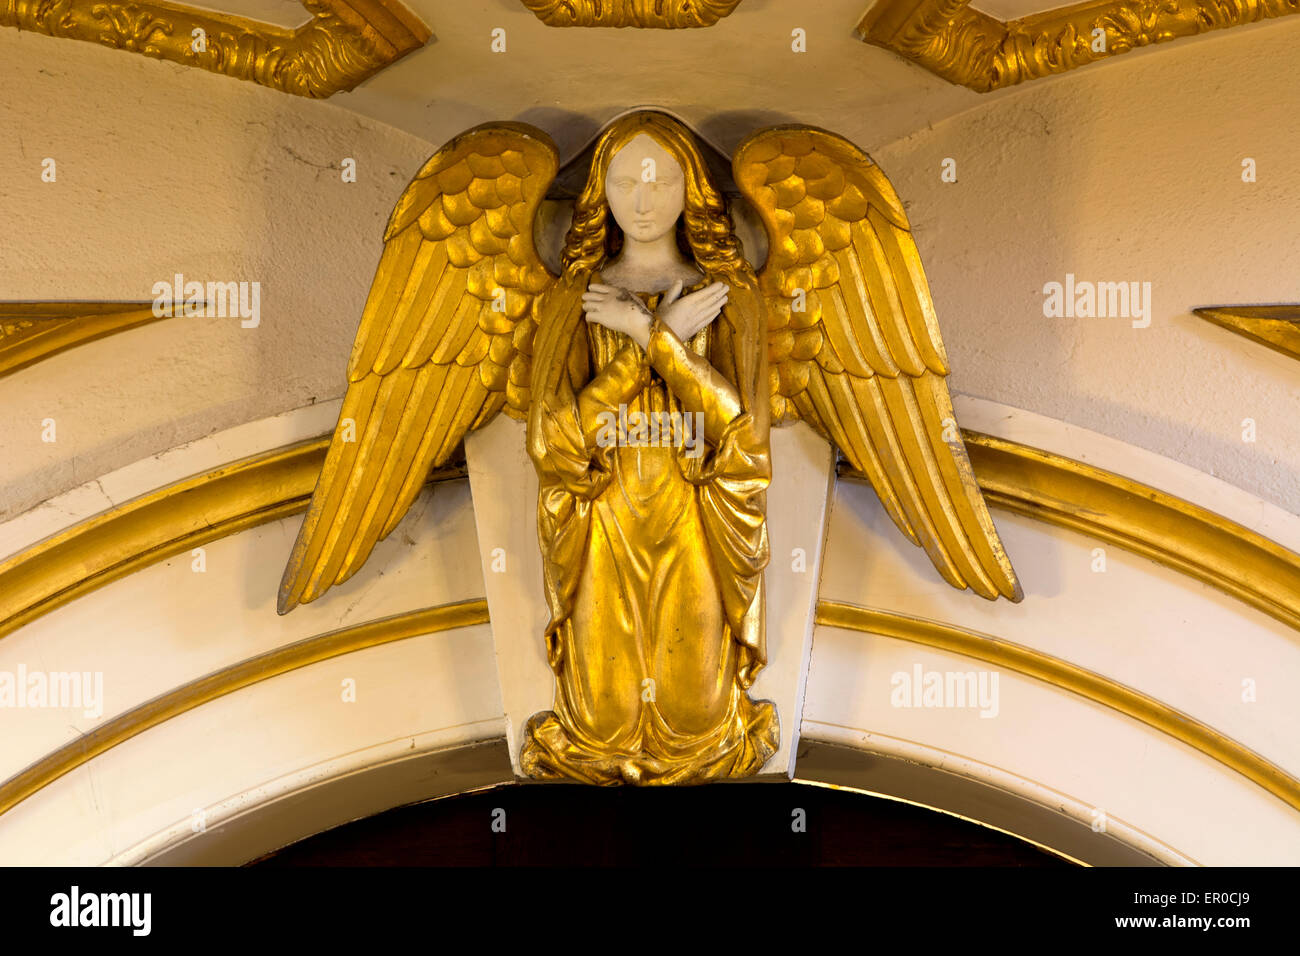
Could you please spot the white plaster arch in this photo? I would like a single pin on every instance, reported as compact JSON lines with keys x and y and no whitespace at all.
{"x":1048,"y":751}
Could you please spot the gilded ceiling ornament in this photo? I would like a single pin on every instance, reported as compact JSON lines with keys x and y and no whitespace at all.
{"x":344,"y":42}
{"x":32,"y":331}
{"x":670,"y":14}
{"x":1277,"y":326}
{"x":973,"y":49}
{"x":648,"y":373}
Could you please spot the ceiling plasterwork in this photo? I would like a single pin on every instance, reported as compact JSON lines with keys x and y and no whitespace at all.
{"x":666,"y":14}
{"x":976,"y":50}
{"x":343,"y":43}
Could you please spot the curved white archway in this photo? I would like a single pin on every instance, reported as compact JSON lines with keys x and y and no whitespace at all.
{"x":271,"y":762}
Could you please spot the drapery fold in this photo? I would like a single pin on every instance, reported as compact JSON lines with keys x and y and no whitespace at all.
{"x":653,"y":556}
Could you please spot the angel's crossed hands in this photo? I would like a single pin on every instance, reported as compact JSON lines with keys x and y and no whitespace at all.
{"x":686,"y":315}
{"x":621,"y":311}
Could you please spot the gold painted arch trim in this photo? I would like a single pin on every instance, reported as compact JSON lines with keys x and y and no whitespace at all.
{"x":273,"y":663}
{"x":399,"y":627}
{"x":975,"y":50}
{"x":264,"y":487}
{"x":1077,"y":680}
{"x":161,"y":524}
{"x":344,"y":42}
{"x":1275,"y":326}
{"x":178,"y":517}
{"x":33,"y":331}
{"x":1166,"y":529}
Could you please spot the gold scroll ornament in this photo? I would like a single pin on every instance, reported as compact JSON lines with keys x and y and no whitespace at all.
{"x":973,"y":49}
{"x":664,"y":14}
{"x":32,"y":331}
{"x":343,"y":43}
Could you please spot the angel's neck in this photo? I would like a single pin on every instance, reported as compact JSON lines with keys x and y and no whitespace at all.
{"x":650,"y":266}
{"x":657,"y":255}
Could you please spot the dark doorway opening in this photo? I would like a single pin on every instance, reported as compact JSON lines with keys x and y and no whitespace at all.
{"x":730,"y":824}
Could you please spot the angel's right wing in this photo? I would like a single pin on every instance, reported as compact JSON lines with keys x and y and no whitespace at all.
{"x":443,"y":345}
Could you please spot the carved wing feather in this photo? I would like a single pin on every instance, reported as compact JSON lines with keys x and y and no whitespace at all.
{"x":444,"y":344}
{"x":862,"y":361}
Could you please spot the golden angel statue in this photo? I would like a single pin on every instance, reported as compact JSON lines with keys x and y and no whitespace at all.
{"x":654,"y":539}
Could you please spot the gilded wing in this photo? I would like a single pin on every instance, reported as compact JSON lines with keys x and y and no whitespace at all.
{"x":443,"y":345}
{"x":862,"y":361}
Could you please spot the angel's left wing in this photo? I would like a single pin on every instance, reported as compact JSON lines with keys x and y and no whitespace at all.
{"x":854,"y":347}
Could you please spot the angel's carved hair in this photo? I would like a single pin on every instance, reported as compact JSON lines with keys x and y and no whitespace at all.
{"x":709,"y":235}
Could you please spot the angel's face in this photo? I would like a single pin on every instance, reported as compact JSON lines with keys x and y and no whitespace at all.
{"x":646,"y":189}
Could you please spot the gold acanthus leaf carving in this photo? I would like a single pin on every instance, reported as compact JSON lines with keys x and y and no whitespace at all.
{"x":975,"y":50}
{"x":661,"y":14}
{"x":344,"y":42}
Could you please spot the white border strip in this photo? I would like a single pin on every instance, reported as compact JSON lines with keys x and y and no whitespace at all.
{"x":300,"y":781}
{"x":1030,"y":790}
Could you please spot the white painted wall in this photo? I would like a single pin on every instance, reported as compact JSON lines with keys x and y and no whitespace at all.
{"x":1128,"y":169}
{"x":163,"y":169}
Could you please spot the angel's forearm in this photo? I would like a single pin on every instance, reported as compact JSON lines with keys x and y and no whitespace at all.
{"x":697,"y":384}
{"x":616,"y":384}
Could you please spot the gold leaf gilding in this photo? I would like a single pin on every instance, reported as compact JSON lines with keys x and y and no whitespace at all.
{"x":661,"y":14}
{"x":344,"y":42}
{"x":975,"y":50}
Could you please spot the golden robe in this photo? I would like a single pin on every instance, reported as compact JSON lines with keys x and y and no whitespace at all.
{"x":654,"y":561}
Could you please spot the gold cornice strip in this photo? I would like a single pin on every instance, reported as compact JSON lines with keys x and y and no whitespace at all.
{"x":654,"y":14}
{"x":1173,"y":532}
{"x":31,"y":331}
{"x":1276,"y":326}
{"x":167,"y":521}
{"x":344,"y":42}
{"x":273,"y":663}
{"x":1076,"y":680}
{"x":965,"y":46}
